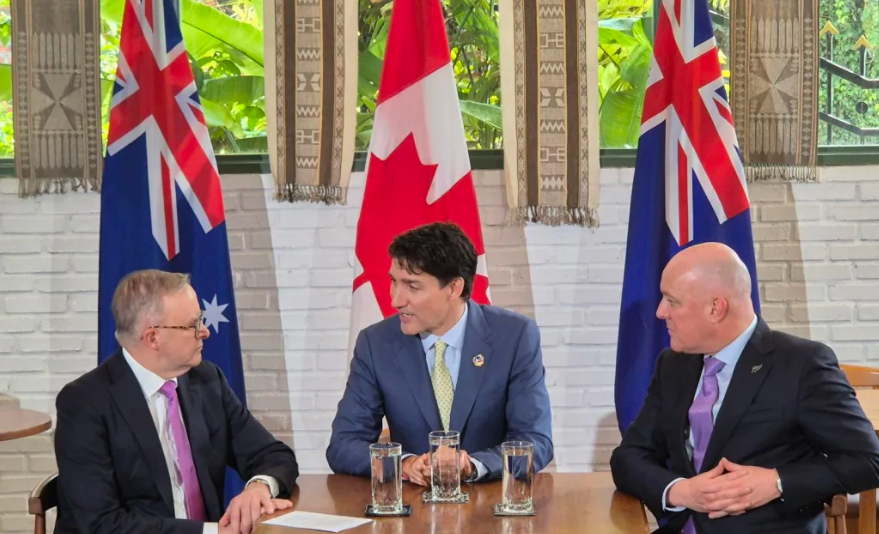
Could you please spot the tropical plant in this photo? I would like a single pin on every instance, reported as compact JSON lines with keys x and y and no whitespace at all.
{"x":624,"y":57}
{"x":472,"y":27}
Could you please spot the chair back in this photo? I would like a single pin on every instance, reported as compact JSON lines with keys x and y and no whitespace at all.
{"x":861,"y":377}
{"x":43,"y":498}
{"x":835,"y":513}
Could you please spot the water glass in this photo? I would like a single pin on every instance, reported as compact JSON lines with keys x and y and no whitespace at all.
{"x":518,"y":476}
{"x":387,"y":480}
{"x":445,"y":465}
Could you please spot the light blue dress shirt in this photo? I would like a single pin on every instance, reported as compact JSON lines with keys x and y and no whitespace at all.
{"x":454,"y":339}
{"x":729,"y":355}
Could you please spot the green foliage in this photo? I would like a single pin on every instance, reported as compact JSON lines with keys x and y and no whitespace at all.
{"x":624,"y":57}
{"x":472,"y":27}
{"x":853,"y":18}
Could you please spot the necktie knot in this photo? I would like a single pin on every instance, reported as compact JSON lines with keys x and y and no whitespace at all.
{"x":169,"y":389}
{"x":713,"y":366}
{"x":440,"y":347}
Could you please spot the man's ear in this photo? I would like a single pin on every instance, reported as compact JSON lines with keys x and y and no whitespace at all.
{"x":457,"y":287}
{"x":719,"y":309}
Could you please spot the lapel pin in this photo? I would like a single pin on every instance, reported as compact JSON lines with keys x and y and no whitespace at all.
{"x":479,"y":360}
{"x":756,"y":368}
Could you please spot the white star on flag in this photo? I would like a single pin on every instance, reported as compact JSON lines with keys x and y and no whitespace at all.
{"x":213,"y":314}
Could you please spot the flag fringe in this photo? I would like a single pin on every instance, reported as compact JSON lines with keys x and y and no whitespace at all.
{"x":32,"y":187}
{"x":556,"y":216}
{"x":328,"y":194}
{"x":758,"y":172}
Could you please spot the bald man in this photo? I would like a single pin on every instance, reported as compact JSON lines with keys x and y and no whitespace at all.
{"x":744,"y":429}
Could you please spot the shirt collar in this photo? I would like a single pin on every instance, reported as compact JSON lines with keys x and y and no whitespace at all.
{"x":453,"y":338}
{"x":730,"y":354}
{"x":149,"y":381}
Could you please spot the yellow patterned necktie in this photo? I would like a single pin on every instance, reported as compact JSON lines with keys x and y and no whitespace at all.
{"x":442,"y":383}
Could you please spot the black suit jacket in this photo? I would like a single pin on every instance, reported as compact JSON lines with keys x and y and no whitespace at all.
{"x":788,"y":407}
{"x":112,"y":475}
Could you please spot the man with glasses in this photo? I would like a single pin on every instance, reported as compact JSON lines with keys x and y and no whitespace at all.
{"x":143,"y":441}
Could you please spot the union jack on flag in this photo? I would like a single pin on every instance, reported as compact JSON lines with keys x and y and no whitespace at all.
{"x":161,"y":201}
{"x":689,"y":187}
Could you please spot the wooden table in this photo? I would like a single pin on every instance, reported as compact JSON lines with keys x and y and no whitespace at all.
{"x":869,"y":399}
{"x":565,"y":502}
{"x":19,"y":423}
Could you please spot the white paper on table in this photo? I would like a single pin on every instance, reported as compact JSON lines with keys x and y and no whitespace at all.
{"x":313,"y":521}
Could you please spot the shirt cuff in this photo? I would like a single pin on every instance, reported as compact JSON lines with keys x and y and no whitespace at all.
{"x":481,"y":470}
{"x":211,"y":528}
{"x":665,"y":494}
{"x":273,"y":484}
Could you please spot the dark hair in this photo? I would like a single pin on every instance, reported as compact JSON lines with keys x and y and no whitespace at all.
{"x":441,"y":250}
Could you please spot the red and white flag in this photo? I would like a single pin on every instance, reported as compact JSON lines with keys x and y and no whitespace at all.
{"x":418,"y":169}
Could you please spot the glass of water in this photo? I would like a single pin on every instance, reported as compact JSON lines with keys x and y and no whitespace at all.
{"x":387,"y":480}
{"x":445,"y":465}
{"x":518,"y":476}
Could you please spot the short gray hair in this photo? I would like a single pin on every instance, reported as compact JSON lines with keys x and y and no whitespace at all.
{"x":141,"y":293}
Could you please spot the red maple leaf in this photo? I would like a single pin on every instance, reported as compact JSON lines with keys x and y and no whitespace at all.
{"x":395,"y":201}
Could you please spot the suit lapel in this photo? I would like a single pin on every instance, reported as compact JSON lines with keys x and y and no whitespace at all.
{"x":193,"y":416}
{"x":750,"y":372}
{"x":128,"y":396}
{"x":411,"y":358}
{"x":690,"y":373}
{"x":470,"y":376}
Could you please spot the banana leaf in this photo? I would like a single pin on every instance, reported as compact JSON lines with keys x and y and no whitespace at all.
{"x":205,"y":29}
{"x":487,"y":113}
{"x":233,"y":89}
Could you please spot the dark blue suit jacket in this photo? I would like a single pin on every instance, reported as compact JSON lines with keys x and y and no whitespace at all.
{"x":112,"y":475}
{"x":503,"y":400}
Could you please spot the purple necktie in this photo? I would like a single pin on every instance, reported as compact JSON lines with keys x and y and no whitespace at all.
{"x":701,"y":421}
{"x":183,"y":455}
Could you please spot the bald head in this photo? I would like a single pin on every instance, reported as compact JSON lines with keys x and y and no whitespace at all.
{"x":706,"y":301}
{"x":714,"y":268}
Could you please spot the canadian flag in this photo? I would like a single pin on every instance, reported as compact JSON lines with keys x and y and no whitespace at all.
{"x":418,"y":170}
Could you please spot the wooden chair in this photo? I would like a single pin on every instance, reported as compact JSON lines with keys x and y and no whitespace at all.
{"x":835,"y":512}
{"x":43,"y":498}
{"x":861,"y":377}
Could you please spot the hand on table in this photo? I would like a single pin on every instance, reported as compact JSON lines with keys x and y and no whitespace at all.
{"x":245,"y":509}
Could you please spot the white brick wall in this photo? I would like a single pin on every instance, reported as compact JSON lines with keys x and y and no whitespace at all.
{"x":817,"y":248}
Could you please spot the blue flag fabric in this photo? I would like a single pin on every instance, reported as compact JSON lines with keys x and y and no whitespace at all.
{"x":689,"y":188}
{"x":161,"y":202}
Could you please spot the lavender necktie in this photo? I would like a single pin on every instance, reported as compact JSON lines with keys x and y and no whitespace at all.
{"x":183,"y":455}
{"x":701,"y":420}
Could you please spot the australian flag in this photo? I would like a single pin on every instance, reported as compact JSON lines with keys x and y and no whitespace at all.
{"x":689,"y":187}
{"x":161,"y":202}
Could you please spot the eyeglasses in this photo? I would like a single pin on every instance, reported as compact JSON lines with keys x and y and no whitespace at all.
{"x":195,"y":327}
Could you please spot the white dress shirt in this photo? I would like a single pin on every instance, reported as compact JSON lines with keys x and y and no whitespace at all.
{"x":454,"y":339}
{"x":729,"y":355}
{"x":151,"y":383}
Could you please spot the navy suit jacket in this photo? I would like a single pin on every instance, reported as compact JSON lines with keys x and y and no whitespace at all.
{"x":112,"y":475}
{"x":505,"y":399}
{"x":788,"y":407}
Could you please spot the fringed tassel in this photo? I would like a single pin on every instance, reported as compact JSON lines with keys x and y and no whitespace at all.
{"x":557,"y":216}
{"x":327,"y":194}
{"x":31,"y":187}
{"x":758,"y":172}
